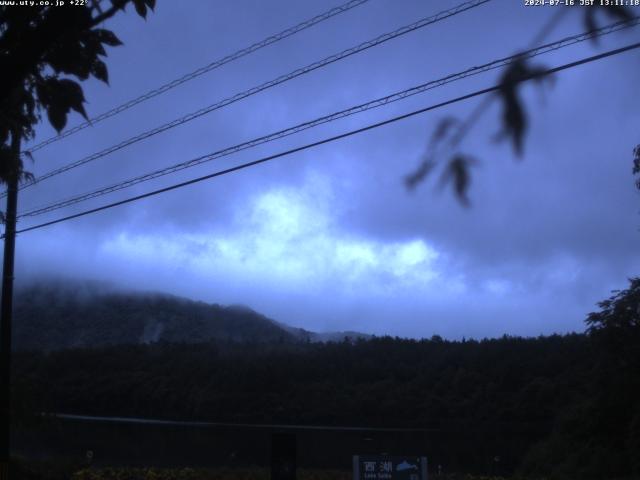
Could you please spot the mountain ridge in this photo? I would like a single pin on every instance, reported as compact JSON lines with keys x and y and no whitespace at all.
{"x":54,"y":315}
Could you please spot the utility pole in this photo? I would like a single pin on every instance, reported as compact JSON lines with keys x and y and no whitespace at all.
{"x":6,"y":309}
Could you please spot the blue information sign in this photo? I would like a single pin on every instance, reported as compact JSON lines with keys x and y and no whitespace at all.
{"x":382,"y":467}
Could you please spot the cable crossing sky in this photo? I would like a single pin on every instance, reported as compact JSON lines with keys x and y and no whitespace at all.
{"x":534,"y":52}
{"x":202,"y":70}
{"x":350,"y":133}
{"x":264,"y":86}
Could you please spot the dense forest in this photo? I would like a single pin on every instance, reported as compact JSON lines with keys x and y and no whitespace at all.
{"x":572,"y":398}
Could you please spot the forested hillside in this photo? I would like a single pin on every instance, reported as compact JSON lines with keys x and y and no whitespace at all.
{"x":52,"y":316}
{"x":57,"y":315}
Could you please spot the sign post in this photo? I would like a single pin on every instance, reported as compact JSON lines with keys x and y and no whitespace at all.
{"x":384,"y":467}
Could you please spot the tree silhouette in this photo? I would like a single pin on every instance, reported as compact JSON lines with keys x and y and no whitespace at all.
{"x":618,"y":322}
{"x":40,"y":48}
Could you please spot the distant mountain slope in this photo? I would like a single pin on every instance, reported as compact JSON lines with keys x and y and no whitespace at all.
{"x":309,"y":336}
{"x":52,"y":315}
{"x":55,"y":316}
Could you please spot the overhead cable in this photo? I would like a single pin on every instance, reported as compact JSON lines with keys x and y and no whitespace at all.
{"x":264,"y":86}
{"x":334,"y":138}
{"x":202,"y":70}
{"x":394,"y":97}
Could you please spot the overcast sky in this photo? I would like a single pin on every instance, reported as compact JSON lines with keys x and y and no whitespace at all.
{"x":329,"y":238}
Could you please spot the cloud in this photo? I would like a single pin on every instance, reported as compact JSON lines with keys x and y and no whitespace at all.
{"x":329,"y":238}
{"x":289,"y":235}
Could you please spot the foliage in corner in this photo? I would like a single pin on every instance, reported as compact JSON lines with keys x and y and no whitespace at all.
{"x":620,"y":311}
{"x":40,"y":48}
{"x":514,"y":119}
{"x":617,"y":323}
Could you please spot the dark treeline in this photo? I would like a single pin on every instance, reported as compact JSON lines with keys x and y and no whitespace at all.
{"x":558,"y":406}
{"x":381,"y":382}
{"x":558,"y":393}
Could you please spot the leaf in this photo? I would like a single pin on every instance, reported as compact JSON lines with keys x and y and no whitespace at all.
{"x":71,"y":58}
{"x":418,"y":176}
{"x":27,"y":177}
{"x":58,"y":97}
{"x":57,"y":116}
{"x":441,"y":130}
{"x":92,"y":42}
{"x":514,"y":120}
{"x":72,"y":93}
{"x":71,"y":53}
{"x":99,"y":70}
{"x":107,"y":37}
{"x":458,"y":173}
{"x":141,"y":7}
{"x":514,"y":117}
{"x":29,"y":155}
{"x":151,"y":4}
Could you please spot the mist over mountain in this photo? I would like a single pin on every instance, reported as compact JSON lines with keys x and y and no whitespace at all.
{"x":57,"y":314}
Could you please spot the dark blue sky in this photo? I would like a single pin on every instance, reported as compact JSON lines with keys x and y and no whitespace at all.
{"x":329,"y":238}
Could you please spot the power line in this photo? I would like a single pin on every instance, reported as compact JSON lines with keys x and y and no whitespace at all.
{"x":350,"y":133}
{"x":202,"y":70}
{"x":272,"y":83}
{"x":565,"y":42}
